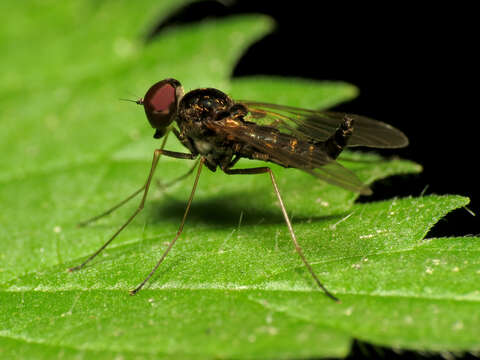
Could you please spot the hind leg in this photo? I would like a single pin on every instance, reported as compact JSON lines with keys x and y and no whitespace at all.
{"x":298,"y":249}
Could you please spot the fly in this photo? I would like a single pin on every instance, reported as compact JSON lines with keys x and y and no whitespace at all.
{"x":218,"y":131}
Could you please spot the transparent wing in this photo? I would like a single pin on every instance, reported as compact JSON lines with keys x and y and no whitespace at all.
{"x":319,"y":125}
{"x":317,"y":163}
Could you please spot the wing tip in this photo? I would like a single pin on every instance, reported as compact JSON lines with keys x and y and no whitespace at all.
{"x":366,"y":191}
{"x":401,"y":142}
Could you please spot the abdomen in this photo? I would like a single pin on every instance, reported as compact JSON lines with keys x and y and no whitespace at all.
{"x":269,"y":144}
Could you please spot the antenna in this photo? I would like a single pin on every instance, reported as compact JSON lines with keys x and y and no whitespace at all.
{"x":139,"y":101}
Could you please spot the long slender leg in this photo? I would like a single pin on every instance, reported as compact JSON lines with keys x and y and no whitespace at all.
{"x":262,"y":170}
{"x":180,"y":229}
{"x":156,"y":156}
{"x":124,"y":201}
{"x":112,"y":209}
{"x":179,"y":178}
{"x":130,"y":197}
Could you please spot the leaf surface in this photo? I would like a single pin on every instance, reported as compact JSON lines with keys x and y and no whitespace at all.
{"x":232,"y":286}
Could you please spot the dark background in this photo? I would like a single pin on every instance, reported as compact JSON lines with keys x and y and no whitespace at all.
{"x":413,"y":66}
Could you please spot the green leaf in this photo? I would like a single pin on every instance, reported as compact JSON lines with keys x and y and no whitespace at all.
{"x":232,"y":286}
{"x":293,"y":91}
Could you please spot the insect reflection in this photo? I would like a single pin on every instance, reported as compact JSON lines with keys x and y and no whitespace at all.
{"x":218,"y":131}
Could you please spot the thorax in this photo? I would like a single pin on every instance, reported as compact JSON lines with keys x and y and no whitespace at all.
{"x":196,"y":109}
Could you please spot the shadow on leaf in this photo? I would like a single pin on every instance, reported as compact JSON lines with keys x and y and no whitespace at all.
{"x":226,"y":210}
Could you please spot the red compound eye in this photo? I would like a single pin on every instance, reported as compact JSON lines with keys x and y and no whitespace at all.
{"x":160,"y":103}
{"x":160,"y":97}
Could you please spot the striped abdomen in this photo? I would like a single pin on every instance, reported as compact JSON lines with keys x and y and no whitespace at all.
{"x":269,"y":144}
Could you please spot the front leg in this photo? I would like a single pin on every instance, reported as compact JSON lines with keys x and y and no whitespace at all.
{"x":156,"y":156}
{"x":185,"y":141}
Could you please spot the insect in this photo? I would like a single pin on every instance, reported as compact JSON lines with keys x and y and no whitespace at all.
{"x":218,"y":131}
